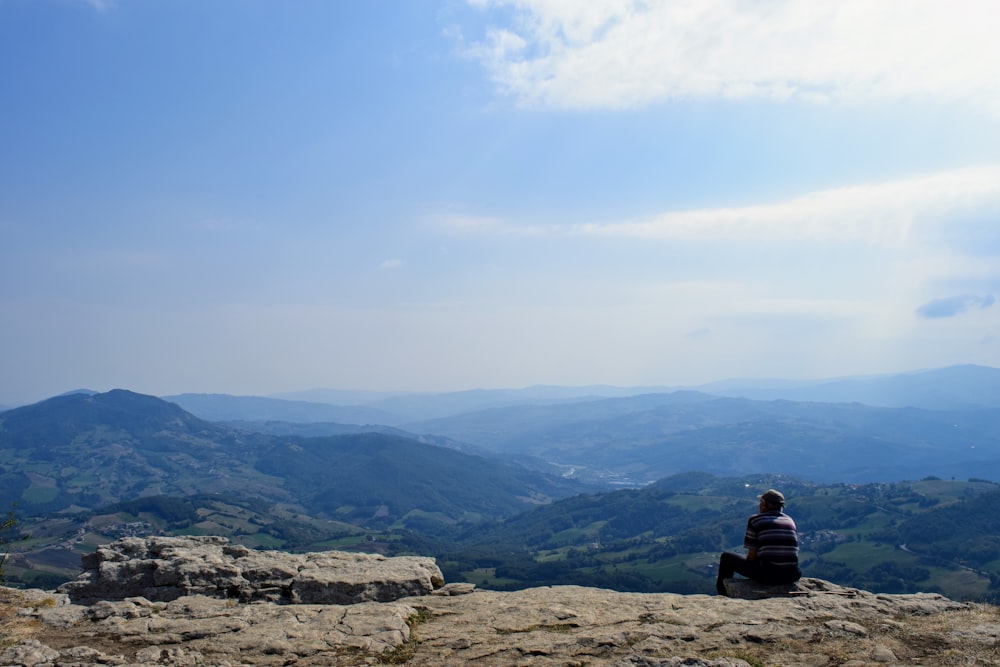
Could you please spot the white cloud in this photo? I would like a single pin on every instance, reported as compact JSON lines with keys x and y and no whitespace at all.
{"x":882,"y":214}
{"x":390,"y":264}
{"x":890,"y":214}
{"x":627,"y":53}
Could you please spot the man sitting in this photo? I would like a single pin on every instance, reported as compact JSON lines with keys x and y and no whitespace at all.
{"x":772,"y":545}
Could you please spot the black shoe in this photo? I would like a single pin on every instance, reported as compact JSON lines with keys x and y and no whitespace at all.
{"x":720,"y":588}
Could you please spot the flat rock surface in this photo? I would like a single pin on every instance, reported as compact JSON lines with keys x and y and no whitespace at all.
{"x":822,"y":624}
{"x":167,"y":568}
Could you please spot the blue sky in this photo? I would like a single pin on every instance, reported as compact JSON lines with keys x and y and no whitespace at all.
{"x":254,"y":196}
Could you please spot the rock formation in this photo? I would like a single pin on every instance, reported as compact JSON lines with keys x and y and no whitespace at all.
{"x":813,"y":624}
{"x":161,"y":569}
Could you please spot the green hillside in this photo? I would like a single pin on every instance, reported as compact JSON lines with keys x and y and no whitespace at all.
{"x":80,"y":452}
{"x":378,"y":479}
{"x":929,"y":535}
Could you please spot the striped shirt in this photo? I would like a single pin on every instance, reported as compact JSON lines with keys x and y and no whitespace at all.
{"x":774,"y":536}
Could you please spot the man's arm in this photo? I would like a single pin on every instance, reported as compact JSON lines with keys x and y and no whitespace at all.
{"x":751,"y":554}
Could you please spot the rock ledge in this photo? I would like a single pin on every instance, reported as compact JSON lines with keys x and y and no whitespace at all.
{"x":162,"y":569}
{"x":819,"y":624}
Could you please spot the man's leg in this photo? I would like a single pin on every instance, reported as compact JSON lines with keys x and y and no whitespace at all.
{"x":729,"y":564}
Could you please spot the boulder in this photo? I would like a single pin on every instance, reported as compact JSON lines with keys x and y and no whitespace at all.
{"x":161,"y":569}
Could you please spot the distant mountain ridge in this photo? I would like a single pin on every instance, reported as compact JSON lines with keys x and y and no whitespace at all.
{"x":430,"y":406}
{"x":644,"y":438}
{"x":950,"y":388}
{"x":85,"y":451}
{"x":633,"y":439}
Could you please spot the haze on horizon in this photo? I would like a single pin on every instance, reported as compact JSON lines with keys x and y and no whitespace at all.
{"x":252,"y":197}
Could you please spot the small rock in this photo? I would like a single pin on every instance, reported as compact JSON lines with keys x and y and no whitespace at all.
{"x":848,"y":627}
{"x":122,"y":609}
{"x":455,"y":589}
{"x":84,"y":655}
{"x":883,"y":654}
{"x":174,"y":656}
{"x":28,"y":653}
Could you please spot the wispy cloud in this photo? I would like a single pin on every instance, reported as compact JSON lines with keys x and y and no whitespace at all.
{"x":390,"y":264}
{"x":627,"y":53}
{"x":954,"y":305}
{"x":888,"y":214}
{"x":883,"y":214}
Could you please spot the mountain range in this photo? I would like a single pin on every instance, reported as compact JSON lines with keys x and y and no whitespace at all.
{"x":641,"y":439}
{"x":298,"y":474}
{"x":965,"y":387}
{"x":213,"y":443}
{"x":84,"y":451}
{"x":942,"y":422}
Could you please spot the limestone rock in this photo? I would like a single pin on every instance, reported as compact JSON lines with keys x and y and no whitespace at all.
{"x":167,"y":568}
{"x":817,"y":624}
{"x":28,"y":653}
{"x":538,"y":627}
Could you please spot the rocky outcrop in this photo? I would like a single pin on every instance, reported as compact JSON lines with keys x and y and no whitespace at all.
{"x":815,"y":625}
{"x":161,"y":569}
{"x":562,"y":625}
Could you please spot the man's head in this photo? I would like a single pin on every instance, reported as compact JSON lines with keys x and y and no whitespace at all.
{"x":772,"y":500}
